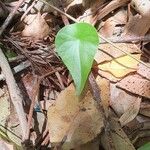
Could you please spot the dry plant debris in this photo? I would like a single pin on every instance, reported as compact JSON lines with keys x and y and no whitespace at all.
{"x":56,"y":117}
{"x":78,"y":121}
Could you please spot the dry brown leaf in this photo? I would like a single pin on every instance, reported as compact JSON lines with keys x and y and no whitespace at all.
{"x":136,"y":84}
{"x":110,"y":28}
{"x":121,"y":66}
{"x":131,"y":112}
{"x":144,"y":71}
{"x":107,"y":9}
{"x":120,"y":100}
{"x":145,"y":109}
{"x":80,"y":121}
{"x":108,"y":52}
{"x":115,"y":137}
{"x":104,"y":86}
{"x":36,"y":27}
{"x":137,"y":26}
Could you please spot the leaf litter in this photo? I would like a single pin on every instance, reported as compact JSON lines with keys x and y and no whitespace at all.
{"x":126,"y":91}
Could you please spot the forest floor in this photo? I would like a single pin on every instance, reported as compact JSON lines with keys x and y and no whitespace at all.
{"x":39,"y":105}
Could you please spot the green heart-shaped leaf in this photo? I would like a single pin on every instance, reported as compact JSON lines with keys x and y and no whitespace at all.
{"x":145,"y":147}
{"x":76,"y":44}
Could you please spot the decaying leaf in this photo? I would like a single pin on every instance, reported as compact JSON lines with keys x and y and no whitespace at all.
{"x":104,"y":86}
{"x":131,"y":112}
{"x":79,"y":120}
{"x":120,"y":100}
{"x":115,"y":137}
{"x":108,"y":52}
{"x":121,"y":66}
{"x":111,"y":28}
{"x":144,"y":71}
{"x":137,"y":26}
{"x":136,"y":84}
{"x":107,"y":9}
{"x":145,"y":109}
{"x":36,"y":27}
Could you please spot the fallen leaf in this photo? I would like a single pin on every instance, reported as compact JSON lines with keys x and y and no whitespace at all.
{"x":108,"y":52}
{"x":104,"y":86}
{"x":36,"y":27}
{"x":80,"y":121}
{"x":121,"y":66}
{"x":131,"y":112}
{"x":136,"y":84}
{"x":115,"y":137}
{"x":110,"y":27}
{"x":145,"y":109}
{"x":120,"y":100}
{"x":137,"y":26}
{"x":144,"y":71}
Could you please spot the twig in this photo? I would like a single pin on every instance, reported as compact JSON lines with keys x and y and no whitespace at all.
{"x":14,"y":91}
{"x":100,"y":36}
{"x":35,"y":95}
{"x":127,"y":53}
{"x":64,"y":18}
{"x":10,"y":16}
{"x":128,"y":39}
{"x":18,"y":68}
{"x":60,"y":11}
{"x":28,"y":10}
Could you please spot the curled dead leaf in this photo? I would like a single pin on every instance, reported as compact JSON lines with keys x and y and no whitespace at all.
{"x":36,"y":27}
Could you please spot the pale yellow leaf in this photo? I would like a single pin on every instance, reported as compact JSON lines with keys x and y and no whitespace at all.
{"x":121,"y":66}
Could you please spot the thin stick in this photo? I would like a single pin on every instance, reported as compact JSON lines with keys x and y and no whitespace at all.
{"x":127,"y":53}
{"x":10,"y":16}
{"x":35,"y":96}
{"x":60,"y":11}
{"x":14,"y":91}
{"x":100,"y":36}
{"x":28,"y":10}
{"x":128,"y":39}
